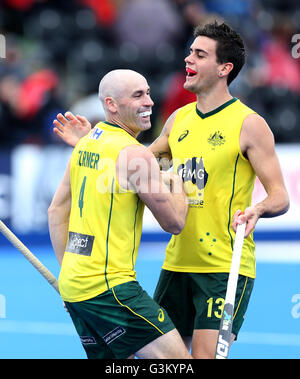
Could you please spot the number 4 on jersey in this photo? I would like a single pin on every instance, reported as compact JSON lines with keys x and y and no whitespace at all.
{"x":80,"y":201}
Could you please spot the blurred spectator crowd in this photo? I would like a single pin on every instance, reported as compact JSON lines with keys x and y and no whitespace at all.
{"x":57,"y":52}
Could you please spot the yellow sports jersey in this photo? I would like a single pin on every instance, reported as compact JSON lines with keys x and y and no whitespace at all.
{"x":219,"y":180}
{"x":106,"y":220}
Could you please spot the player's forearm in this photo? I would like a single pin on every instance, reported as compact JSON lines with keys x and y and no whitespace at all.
{"x":172,"y":219}
{"x":164,"y":158}
{"x":161,"y":150}
{"x":58,"y":221}
{"x":275,"y":204}
{"x":169,"y":209}
{"x":180,"y":209}
{"x":178,"y":205}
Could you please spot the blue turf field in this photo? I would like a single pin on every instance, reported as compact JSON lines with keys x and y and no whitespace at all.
{"x":34,"y":324}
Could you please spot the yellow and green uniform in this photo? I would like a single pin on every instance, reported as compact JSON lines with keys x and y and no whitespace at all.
{"x":106,"y":220}
{"x":219,"y":180}
{"x":114,"y":317}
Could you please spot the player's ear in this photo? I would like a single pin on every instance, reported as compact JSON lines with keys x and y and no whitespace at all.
{"x":224,"y":69}
{"x":111,"y":104}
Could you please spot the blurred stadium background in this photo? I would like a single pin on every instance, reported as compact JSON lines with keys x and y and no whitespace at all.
{"x":55,"y":54}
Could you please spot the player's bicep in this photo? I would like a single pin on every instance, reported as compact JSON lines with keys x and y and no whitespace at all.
{"x":62,"y":196}
{"x":262,"y":155}
{"x":143,"y":173}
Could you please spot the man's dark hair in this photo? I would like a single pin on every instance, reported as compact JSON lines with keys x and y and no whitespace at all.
{"x":230,"y":46}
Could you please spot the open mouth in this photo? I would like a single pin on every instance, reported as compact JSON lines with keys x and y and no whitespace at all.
{"x":190,"y":73}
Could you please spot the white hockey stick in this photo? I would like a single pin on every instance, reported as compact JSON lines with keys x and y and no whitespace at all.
{"x":224,"y":337}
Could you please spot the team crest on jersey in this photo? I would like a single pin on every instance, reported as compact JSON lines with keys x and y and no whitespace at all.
{"x":216,"y":139}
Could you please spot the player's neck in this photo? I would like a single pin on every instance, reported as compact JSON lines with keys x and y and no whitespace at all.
{"x":210,"y":100}
{"x":122,"y":125}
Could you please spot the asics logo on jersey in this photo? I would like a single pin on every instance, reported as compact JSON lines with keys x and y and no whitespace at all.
{"x":183,"y":135}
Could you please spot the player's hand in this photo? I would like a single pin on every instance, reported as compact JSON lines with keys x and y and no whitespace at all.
{"x":70,"y":128}
{"x":66,"y":309}
{"x":250,"y":216}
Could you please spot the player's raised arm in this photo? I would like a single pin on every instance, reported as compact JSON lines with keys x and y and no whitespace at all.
{"x":70,"y":128}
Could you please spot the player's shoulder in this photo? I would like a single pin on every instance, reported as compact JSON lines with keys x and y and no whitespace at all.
{"x":180,"y":113}
{"x":244,"y":108}
{"x":135,"y":151}
{"x":187,"y":108}
{"x":256,"y":129}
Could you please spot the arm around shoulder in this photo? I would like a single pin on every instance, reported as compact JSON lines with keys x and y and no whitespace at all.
{"x":142,"y":174}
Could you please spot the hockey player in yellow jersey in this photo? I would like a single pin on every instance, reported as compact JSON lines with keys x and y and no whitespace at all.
{"x":218,"y":146}
{"x":95,"y":223}
{"x":214,"y":170}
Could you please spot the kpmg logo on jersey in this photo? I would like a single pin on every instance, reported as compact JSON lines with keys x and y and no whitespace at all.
{"x":195,"y":177}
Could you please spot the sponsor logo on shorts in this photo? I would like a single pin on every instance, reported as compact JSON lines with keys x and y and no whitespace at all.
{"x":87,"y":340}
{"x":114,"y":334}
{"x":161,"y":315}
{"x":80,"y":243}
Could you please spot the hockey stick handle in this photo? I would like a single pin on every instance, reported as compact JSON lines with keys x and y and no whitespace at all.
{"x":235,"y":263}
{"x":224,"y":337}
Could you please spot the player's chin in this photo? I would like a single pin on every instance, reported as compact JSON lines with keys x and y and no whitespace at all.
{"x":145,"y":124}
{"x":189,"y":86}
